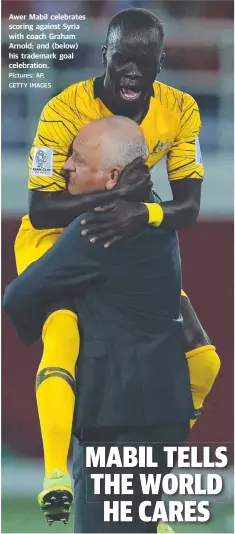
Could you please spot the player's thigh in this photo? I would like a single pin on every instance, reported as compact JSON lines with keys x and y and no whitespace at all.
{"x":31,"y":244}
{"x":194,"y":333}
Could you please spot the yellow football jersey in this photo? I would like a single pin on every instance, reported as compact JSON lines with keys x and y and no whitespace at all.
{"x":171,"y":128}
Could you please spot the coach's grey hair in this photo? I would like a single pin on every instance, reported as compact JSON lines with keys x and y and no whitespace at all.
{"x":125,"y":142}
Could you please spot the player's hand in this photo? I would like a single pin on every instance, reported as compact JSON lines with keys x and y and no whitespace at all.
{"x":115,"y":221}
{"x":121,"y":218}
{"x":134,"y":182}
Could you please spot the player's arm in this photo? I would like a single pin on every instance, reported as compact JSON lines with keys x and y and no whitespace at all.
{"x":59,"y":209}
{"x":182,"y":210}
{"x":63,"y":272}
{"x":50,"y":204}
{"x":185,"y":172}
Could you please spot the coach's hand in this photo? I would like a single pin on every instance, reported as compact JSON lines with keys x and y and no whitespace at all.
{"x":122,"y":218}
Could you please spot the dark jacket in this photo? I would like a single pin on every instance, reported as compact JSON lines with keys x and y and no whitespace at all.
{"x":132,"y":368}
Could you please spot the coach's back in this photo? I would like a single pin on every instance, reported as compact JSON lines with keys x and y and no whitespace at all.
{"x":132,"y":368}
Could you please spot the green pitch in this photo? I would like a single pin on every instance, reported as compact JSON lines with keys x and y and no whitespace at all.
{"x":24,"y":516}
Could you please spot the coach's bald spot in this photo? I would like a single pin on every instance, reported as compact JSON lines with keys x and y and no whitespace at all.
{"x":105,"y":127}
{"x":101,"y":136}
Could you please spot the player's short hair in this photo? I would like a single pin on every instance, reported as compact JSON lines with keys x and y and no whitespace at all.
{"x":136,"y":18}
{"x":123,"y":144}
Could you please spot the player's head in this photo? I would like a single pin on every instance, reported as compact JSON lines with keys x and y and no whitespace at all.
{"x":101,"y":150}
{"x":133,"y":55}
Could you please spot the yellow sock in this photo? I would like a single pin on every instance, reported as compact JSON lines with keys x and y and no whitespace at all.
{"x":204,"y":365}
{"x":55,"y":385}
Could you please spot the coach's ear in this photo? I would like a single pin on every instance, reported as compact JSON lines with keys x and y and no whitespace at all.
{"x":113,"y":176}
{"x":104,"y":55}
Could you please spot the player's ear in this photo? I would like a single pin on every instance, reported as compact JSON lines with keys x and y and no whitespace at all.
{"x":162,"y":59}
{"x":113,"y":176}
{"x":104,"y":55}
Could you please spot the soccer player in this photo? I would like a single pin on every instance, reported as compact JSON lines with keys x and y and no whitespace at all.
{"x":169,"y":119}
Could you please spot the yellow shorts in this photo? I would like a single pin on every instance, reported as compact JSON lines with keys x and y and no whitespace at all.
{"x":31,"y":244}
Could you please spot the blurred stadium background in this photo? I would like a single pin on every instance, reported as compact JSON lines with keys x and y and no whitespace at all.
{"x":199,"y":47}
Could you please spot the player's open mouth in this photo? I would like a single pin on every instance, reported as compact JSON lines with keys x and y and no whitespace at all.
{"x":131,"y":87}
{"x":130,"y":93}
